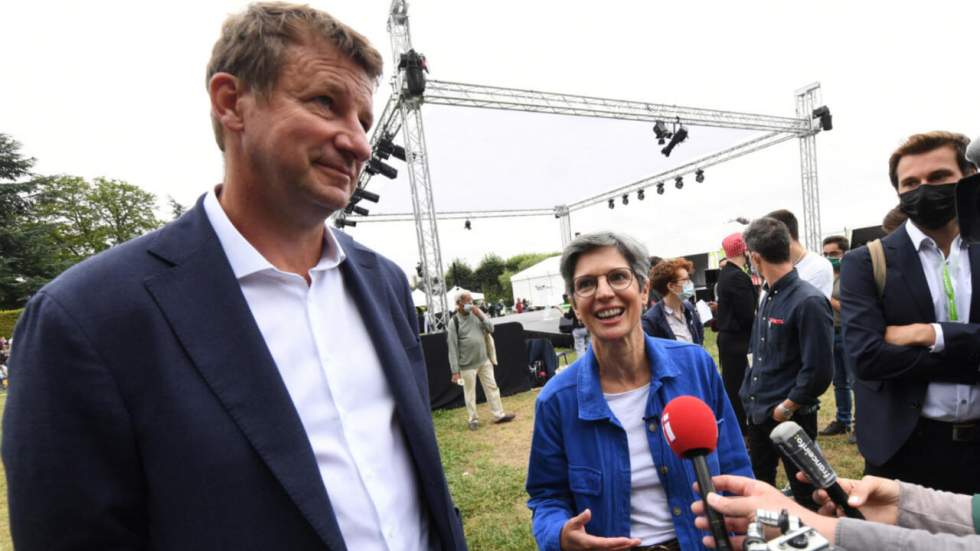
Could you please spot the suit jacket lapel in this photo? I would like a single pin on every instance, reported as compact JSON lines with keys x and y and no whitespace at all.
{"x":908,"y":268}
{"x":975,"y":279}
{"x":209,"y":315}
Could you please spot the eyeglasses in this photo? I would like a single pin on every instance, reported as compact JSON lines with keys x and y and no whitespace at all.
{"x":618,"y":279}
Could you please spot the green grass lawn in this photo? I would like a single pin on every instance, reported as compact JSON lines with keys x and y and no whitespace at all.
{"x":486,"y":469}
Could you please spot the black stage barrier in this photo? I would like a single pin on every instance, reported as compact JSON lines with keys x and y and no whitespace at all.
{"x":511,"y":371}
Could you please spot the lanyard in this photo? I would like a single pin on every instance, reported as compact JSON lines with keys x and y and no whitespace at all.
{"x":950,"y":294}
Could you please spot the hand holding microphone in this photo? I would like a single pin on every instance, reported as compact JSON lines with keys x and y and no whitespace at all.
{"x":692,"y":433}
{"x":795,"y":444}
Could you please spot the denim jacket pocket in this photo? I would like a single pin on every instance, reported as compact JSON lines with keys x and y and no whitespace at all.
{"x":584,"y":480}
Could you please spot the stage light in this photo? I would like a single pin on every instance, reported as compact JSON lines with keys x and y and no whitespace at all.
{"x":660,"y":129}
{"x":626,"y":199}
{"x":699,"y":175}
{"x":340,"y":223}
{"x":640,"y":195}
{"x":386,"y":148}
{"x":826,"y":119}
{"x":467,"y":225}
{"x":352,"y":208}
{"x":376,"y":166}
{"x":418,"y":269}
{"x":679,"y":136}
{"x":660,"y":188}
{"x":415,"y":66}
{"x":679,"y":182}
{"x":612,"y":203}
{"x":361,"y":193}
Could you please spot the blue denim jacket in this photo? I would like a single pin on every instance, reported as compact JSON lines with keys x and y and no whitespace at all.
{"x":580,"y":456}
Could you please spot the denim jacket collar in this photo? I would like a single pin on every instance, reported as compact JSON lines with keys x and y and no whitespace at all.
{"x":592,"y":405}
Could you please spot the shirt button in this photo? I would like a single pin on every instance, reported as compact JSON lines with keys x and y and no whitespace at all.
{"x":755,"y":378}
{"x":751,"y":397}
{"x":677,"y":511}
{"x":652,"y":426}
{"x":664,"y":469}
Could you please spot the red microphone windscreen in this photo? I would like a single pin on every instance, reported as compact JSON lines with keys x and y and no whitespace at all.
{"x":690,"y":426}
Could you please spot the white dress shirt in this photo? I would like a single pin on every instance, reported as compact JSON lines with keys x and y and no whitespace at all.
{"x":327,"y":361}
{"x":947,"y":401}
{"x":678,"y":325}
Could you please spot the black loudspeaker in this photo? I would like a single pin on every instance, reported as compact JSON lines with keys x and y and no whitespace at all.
{"x":968,"y":208}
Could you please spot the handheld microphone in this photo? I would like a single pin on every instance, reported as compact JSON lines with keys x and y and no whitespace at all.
{"x":795,"y":444}
{"x":692,"y":433}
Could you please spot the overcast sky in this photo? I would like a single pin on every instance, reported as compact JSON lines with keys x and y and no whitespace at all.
{"x":116,"y":89}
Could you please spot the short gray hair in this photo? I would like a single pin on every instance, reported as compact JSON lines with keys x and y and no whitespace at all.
{"x":461,"y":295}
{"x":632,"y":250}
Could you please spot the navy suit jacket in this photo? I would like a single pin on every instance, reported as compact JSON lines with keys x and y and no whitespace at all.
{"x":892,"y":380}
{"x":147,"y":412}
{"x":655,"y":323}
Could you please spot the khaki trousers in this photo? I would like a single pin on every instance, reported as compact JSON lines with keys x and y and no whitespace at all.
{"x":485,"y":372}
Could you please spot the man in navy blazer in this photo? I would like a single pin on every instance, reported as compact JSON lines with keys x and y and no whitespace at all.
{"x":916,"y":349}
{"x":244,"y":378}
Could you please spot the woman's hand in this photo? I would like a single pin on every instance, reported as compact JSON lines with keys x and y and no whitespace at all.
{"x":574,"y":537}
{"x":876,"y":498}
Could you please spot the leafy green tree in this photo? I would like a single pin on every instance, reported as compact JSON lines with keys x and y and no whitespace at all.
{"x":460,"y":274}
{"x":176,"y":209}
{"x":487,"y":277}
{"x":13,"y":165}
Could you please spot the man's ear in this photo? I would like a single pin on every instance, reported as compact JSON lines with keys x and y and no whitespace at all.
{"x":226,"y":92}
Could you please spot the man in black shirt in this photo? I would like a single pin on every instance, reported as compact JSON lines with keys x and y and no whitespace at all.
{"x":733,"y":319}
{"x":792,"y":353}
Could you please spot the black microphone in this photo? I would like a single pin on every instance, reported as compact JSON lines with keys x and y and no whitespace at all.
{"x":795,"y":444}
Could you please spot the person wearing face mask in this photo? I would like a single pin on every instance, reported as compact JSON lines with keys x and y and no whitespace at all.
{"x":915,"y":342}
{"x":674,"y":317}
{"x":469,"y":358}
{"x":834,"y":248}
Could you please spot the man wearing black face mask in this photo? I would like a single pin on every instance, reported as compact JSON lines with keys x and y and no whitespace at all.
{"x":915,"y":343}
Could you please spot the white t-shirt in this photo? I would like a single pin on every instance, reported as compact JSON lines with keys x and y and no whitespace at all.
{"x":817,"y":271}
{"x":650,"y":520}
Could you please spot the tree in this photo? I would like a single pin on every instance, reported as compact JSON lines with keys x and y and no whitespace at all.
{"x":176,"y":209}
{"x":487,"y":277}
{"x":460,"y":274}
{"x":13,"y":165}
{"x":90,"y":218}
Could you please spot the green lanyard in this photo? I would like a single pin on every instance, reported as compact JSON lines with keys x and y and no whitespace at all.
{"x":950,"y":294}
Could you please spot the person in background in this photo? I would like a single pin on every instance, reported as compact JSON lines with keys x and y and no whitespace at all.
{"x":674,"y":317}
{"x":733,"y":320}
{"x":654,"y":295}
{"x":580,"y":334}
{"x":601,"y":474}
{"x":834,"y":248}
{"x":894,"y":219}
{"x":811,"y":266}
{"x":792,"y":353}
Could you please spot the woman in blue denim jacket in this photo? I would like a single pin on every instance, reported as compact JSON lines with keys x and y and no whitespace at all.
{"x":601,"y":475}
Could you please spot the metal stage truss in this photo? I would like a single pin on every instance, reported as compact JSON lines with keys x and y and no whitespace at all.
{"x":402,"y":115}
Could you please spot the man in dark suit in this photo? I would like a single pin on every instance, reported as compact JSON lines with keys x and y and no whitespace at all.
{"x":916,"y":349}
{"x":244,"y":378}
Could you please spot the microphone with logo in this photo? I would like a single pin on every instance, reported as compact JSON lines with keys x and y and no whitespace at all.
{"x":692,"y":433}
{"x":795,"y":444}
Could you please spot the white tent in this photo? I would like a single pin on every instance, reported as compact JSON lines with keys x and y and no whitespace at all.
{"x":450,"y":297}
{"x":541,"y":284}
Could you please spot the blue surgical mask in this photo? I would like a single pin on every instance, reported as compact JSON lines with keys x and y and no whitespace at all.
{"x":687,"y":291}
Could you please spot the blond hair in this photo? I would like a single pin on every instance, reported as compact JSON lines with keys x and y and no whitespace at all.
{"x":253,"y":45}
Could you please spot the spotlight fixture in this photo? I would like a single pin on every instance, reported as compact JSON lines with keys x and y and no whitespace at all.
{"x":376,"y":166}
{"x":626,"y":199}
{"x":660,"y":129}
{"x":361,"y":193}
{"x":341,"y":222}
{"x":641,"y":194}
{"x":467,"y":225}
{"x":679,"y":182}
{"x":826,"y":119}
{"x":387,"y":148}
{"x":679,"y":136}
{"x":353,"y":208}
{"x":612,"y":203}
{"x":699,"y":175}
{"x":660,"y":188}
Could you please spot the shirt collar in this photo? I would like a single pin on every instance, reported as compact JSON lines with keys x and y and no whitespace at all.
{"x":592,"y":405}
{"x":919,"y":239}
{"x":244,"y":258}
{"x":783,"y":282}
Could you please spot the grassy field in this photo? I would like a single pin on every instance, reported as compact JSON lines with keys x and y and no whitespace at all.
{"x":486,"y":470}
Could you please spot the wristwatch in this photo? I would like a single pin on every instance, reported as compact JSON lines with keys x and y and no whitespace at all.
{"x":785,"y":411}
